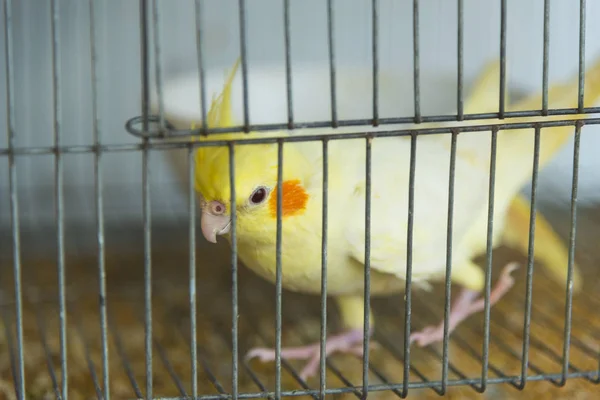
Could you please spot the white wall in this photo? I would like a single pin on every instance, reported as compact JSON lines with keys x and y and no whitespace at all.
{"x":119,"y":74}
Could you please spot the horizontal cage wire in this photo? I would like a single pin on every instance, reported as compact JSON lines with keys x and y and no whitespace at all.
{"x":106,"y":290}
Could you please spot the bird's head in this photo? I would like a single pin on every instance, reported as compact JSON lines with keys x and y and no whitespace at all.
{"x":255,"y":167}
{"x":255,"y":200}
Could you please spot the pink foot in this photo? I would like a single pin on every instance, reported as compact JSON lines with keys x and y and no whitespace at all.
{"x":348,"y":342}
{"x":465,"y":305}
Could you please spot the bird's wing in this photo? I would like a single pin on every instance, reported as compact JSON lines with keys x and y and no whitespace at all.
{"x":390,"y":191}
{"x":390,"y":205}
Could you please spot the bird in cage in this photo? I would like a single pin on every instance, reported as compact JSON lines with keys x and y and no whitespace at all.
{"x":301,"y":201}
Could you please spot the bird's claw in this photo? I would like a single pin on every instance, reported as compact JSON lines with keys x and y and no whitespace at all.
{"x":344,"y":343}
{"x":467,"y":304}
{"x":427,"y":335}
{"x":262,"y":353}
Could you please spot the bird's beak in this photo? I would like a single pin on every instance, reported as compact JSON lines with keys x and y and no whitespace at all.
{"x":213,"y":225}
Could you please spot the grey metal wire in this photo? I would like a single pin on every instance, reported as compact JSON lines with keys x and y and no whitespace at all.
{"x":244,"y":57}
{"x":234,"y":275}
{"x":147,"y":221}
{"x":19,"y":377}
{"x":502,"y":99}
{"x":41,"y":324}
{"x":545,"y":57}
{"x":192,"y":268}
{"x":367,"y":283}
{"x":395,"y":386}
{"x":324,"y":229}
{"x":164,"y":358}
{"x":288,"y":63}
{"x":59,"y":194}
{"x":192,"y":202}
{"x":157,"y":63}
{"x":571,"y":261}
{"x":88,"y":357}
{"x":9,"y":341}
{"x":99,"y":195}
{"x":409,"y":256}
{"x":209,"y":372}
{"x":530,"y":258}
{"x":488,"y":256}
{"x":146,"y":207}
{"x":460,"y":61}
{"x":130,"y":125}
{"x":162,"y":354}
{"x":359,"y":134}
{"x":332,"y":71}
{"x":416,"y":64}
{"x":278,"y":272}
{"x":390,"y":345}
{"x":375,"y":57}
{"x":200,"y":57}
{"x":448,"y":282}
{"x":582,"y":21}
{"x":124,"y":359}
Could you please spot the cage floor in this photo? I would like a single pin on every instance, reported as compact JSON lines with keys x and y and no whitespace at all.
{"x":301,"y":324}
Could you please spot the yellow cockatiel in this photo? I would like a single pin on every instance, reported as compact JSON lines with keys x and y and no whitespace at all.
{"x":256,"y":209}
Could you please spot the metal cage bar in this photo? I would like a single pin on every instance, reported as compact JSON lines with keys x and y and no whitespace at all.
{"x":59,"y":193}
{"x":19,"y":372}
{"x":332,"y":74}
{"x":234,"y":276}
{"x":131,"y":124}
{"x":192,"y":283}
{"x":571,"y":260}
{"x":147,"y":222}
{"x":582,"y":4}
{"x":324,"y":230}
{"x":409,"y":248}
{"x":394,"y":386}
{"x":43,"y":332}
{"x":460,"y":60}
{"x":416,"y":64}
{"x":545,"y":57}
{"x":124,"y":359}
{"x":360,"y":134}
{"x":375,"y":57}
{"x":244,"y":57}
{"x":157,"y":64}
{"x":502,"y":99}
{"x":367,"y":282}
{"x":530,"y":255}
{"x":88,"y":358}
{"x":288,"y":63}
{"x":200,"y":60}
{"x":278,"y":271}
{"x":448,"y":282}
{"x":99,"y":195}
{"x":146,"y":207}
{"x":488,"y":257}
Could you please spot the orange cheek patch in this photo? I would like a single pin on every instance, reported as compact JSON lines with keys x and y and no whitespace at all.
{"x":293,"y":199}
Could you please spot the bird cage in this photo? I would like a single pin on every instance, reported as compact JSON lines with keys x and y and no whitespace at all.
{"x":319,"y":198}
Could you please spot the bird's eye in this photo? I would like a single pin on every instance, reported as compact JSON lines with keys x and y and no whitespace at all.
{"x":258,"y":196}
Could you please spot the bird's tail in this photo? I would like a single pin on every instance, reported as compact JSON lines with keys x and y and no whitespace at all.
{"x":559,"y":96}
{"x":484,"y":97}
{"x":549,"y":249}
